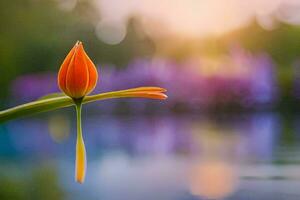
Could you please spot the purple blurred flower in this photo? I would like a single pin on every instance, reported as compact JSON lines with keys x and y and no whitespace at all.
{"x":240,"y":79}
{"x":32,"y":86}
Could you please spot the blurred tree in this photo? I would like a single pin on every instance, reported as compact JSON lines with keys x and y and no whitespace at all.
{"x":36,"y":35}
{"x":283,"y":45}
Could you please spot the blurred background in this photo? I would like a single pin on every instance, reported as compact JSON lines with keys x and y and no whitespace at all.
{"x":229,"y":129}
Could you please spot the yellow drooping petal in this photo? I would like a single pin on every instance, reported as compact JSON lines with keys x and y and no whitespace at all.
{"x":80,"y":160}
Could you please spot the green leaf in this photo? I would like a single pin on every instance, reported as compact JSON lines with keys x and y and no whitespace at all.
{"x":52,"y":95}
{"x":35,"y":107}
{"x":50,"y":102}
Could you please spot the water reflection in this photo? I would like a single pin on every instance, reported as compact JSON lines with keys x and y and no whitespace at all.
{"x":166,"y":157}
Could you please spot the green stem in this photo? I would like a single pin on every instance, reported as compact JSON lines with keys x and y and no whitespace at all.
{"x":80,"y":163}
{"x":78,"y":105}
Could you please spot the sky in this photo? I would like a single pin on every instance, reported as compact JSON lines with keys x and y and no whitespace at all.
{"x":191,"y":18}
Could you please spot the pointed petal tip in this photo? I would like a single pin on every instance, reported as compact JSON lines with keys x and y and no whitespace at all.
{"x":78,"y":42}
{"x":165,"y":96}
{"x":161,"y":96}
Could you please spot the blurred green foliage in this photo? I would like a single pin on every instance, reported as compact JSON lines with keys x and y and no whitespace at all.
{"x":39,"y":182}
{"x":36,"y":35}
{"x":283,"y":45}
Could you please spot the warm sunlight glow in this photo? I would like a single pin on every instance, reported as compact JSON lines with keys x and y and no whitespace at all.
{"x":193,"y":18}
{"x":213,"y":180}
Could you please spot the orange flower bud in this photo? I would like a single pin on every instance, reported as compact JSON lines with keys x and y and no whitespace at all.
{"x":77,"y":75}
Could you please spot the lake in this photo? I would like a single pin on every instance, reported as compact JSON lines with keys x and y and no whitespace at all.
{"x":161,"y":157}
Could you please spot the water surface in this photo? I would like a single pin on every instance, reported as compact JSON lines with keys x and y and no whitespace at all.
{"x":168,"y":157}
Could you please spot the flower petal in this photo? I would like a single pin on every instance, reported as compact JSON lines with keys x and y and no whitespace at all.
{"x":77,"y":74}
{"x":64,"y":68}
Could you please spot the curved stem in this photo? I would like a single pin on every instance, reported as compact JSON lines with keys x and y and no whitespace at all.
{"x":80,"y":163}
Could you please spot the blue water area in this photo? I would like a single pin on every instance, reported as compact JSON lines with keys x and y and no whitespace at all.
{"x":168,"y":157}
